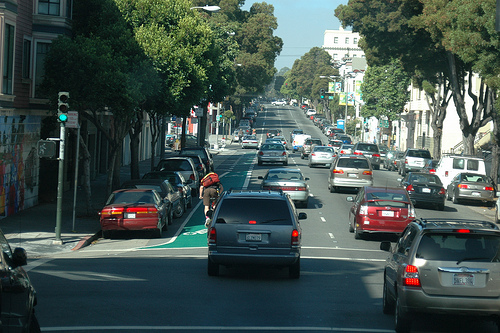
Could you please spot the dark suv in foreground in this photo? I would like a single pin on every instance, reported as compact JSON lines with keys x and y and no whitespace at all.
{"x":443,"y":266}
{"x":255,"y":228}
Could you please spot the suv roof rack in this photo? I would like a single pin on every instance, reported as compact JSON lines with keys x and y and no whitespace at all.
{"x":455,"y":223}
{"x":242,"y":190}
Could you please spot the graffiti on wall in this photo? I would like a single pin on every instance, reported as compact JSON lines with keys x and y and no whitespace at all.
{"x":18,"y":163}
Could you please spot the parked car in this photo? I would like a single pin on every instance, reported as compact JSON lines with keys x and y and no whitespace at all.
{"x":424,"y":188}
{"x":321,"y":155}
{"x":198,"y":163}
{"x":184,"y":191}
{"x":290,"y":181}
{"x":430,"y":166}
{"x":255,"y":227}
{"x":307,"y":146}
{"x":164,"y":188}
{"x":298,"y":141}
{"x":203,"y":152}
{"x":134,"y":209}
{"x":383,"y":153}
{"x":18,"y":296}
{"x":450,"y":165}
{"x":272,"y":153}
{"x":184,"y":165}
{"x":380,"y":210}
{"x":471,"y":187}
{"x":334,"y":132}
{"x":398,"y":160}
{"x":271,"y":133}
{"x":278,"y":103}
{"x":414,"y":160}
{"x":442,"y":267}
{"x":250,"y":141}
{"x":370,"y":151}
{"x":310,"y":112}
{"x":350,"y":171}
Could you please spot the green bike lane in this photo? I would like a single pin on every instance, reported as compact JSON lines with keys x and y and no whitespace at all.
{"x":233,"y":173}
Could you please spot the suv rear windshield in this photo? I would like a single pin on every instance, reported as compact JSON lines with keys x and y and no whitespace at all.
{"x":313,"y":142}
{"x":459,"y":247}
{"x":419,"y":153}
{"x":254,"y":211}
{"x":357,"y":163}
{"x":367,"y":147}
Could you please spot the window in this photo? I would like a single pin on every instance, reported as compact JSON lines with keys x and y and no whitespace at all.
{"x":335,"y":40}
{"x":458,"y":163}
{"x":254,"y":211}
{"x":49,"y":7}
{"x":8,"y":62}
{"x":347,"y":40}
{"x":41,"y":53}
{"x":473,"y":165}
{"x":355,"y":41}
{"x":26,"y":59}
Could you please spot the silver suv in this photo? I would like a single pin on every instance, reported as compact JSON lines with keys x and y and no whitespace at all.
{"x":307,"y":146}
{"x":370,"y":151}
{"x":353,"y":171}
{"x":255,"y":227}
{"x":414,"y":160}
{"x":443,"y":266}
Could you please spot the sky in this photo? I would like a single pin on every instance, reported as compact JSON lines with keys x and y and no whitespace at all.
{"x":301,"y":25}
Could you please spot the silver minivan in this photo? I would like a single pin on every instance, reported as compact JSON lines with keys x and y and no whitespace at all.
{"x":351,"y":171}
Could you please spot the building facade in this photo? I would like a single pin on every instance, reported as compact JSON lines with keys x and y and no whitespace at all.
{"x":342,"y":44}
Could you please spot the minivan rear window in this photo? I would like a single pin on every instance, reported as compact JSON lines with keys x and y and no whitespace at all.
{"x":356,"y":163}
{"x":263,"y":211}
{"x":419,"y":153}
{"x":459,"y":247}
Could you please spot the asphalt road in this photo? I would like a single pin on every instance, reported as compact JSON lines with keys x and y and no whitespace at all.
{"x":137,"y":284}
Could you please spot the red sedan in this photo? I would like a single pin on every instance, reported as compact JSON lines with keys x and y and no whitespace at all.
{"x":134,"y":209}
{"x":380,"y":210}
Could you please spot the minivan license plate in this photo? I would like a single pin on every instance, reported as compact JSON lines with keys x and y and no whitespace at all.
{"x":463,"y":279}
{"x":253,"y":237}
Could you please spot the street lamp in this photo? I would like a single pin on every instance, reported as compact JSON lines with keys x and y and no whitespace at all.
{"x":208,"y":8}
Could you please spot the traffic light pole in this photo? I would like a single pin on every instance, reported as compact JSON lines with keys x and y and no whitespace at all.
{"x":60,"y":179}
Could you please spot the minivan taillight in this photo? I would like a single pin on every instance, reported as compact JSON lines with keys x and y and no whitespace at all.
{"x":212,"y":236}
{"x":295,"y":237}
{"x":411,"y":277}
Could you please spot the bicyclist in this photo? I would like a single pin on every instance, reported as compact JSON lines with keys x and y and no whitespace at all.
{"x":210,"y":193}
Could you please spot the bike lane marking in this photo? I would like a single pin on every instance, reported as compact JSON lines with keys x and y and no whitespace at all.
{"x":193,"y":233}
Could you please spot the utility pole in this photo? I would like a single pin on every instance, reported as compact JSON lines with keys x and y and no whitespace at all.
{"x":62,"y":118}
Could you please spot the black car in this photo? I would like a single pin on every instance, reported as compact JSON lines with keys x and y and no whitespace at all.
{"x":164,"y":188}
{"x":203,"y":153}
{"x":18,"y":296}
{"x":424,"y":188}
{"x":255,"y":228}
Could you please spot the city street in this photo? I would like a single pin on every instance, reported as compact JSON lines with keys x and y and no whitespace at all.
{"x":136,"y":284}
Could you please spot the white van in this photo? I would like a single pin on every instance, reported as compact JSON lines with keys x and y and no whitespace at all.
{"x":298,"y":141}
{"x":451,"y":165}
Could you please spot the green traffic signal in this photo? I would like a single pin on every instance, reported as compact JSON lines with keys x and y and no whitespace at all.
{"x":63,"y":117}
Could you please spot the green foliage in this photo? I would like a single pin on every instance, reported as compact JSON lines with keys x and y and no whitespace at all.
{"x":385,"y":91}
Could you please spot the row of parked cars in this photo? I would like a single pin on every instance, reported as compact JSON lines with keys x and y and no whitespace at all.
{"x":151,"y":203}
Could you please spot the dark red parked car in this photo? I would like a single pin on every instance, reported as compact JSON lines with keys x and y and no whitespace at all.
{"x":380,"y":210}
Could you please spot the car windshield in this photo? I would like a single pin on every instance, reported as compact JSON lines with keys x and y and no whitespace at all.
{"x":272,"y":147}
{"x":425,"y":178}
{"x":284,"y":174}
{"x":459,"y":247}
{"x":419,"y":153}
{"x":323,"y":149}
{"x":254,"y":211}
{"x":367,"y":147}
{"x":356,"y":163}
{"x":469,"y":177}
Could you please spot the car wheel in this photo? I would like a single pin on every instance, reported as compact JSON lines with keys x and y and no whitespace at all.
{"x":106,"y":234}
{"x":401,"y":323}
{"x":496,"y":216}
{"x":448,"y":197}
{"x":212,"y":268}
{"x":357,"y":235}
{"x":34,"y":325}
{"x":351,"y":229}
{"x":171,"y":216}
{"x":440,"y":206}
{"x":180,"y":209}
{"x":387,"y":301}
{"x":454,"y":198}
{"x":165,"y":225}
{"x":294,"y":270}
{"x":331,"y":188}
{"x":158,"y":232}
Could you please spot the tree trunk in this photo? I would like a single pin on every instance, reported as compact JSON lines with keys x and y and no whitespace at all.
{"x":494,"y":163}
{"x":134,"y":134}
{"x":86,"y":176}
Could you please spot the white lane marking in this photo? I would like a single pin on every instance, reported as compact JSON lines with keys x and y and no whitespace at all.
{"x":339,"y":248}
{"x":322,"y":219}
{"x":331,"y":235}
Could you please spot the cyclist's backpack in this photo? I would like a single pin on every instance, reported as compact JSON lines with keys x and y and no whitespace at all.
{"x":210,"y":179}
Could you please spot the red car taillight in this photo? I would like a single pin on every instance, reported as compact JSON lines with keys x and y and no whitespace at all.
{"x":284,"y":153}
{"x":376,"y":155}
{"x":313,"y":154}
{"x":442,"y":191}
{"x":261,"y":153}
{"x":411,"y":277}
{"x":432,"y":171}
{"x":358,"y":153}
{"x":367,"y":172}
{"x":363,"y":210}
{"x":488,"y":188}
{"x":112,"y":212}
{"x":463,"y":186}
{"x":295,"y":237}
{"x":410,"y":188}
{"x":212,"y":236}
{"x":340,"y":171}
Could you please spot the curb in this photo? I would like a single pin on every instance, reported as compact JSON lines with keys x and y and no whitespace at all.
{"x":86,"y":241}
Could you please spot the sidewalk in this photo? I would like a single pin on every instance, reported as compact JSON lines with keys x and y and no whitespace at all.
{"x":34,"y":228}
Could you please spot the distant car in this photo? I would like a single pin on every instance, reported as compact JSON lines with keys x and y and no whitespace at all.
{"x":255,"y":228}
{"x":272,"y":153}
{"x":471,"y":187}
{"x":369,"y":150}
{"x":390,"y":160}
{"x":282,"y":139}
{"x":203,"y":152}
{"x":290,"y":181}
{"x":334,"y":132}
{"x":442,"y":267}
{"x":383,"y":153}
{"x":271,"y":133}
{"x":278,"y":103}
{"x":414,"y":160}
{"x":425,"y":188}
{"x":298,"y":141}
{"x":380,"y":210}
{"x":321,"y":155}
{"x":350,"y":171}
{"x":345,"y":149}
{"x":310,"y":112}
{"x":307,"y":146}
{"x":134,"y":209}
{"x":184,"y":165}
{"x":344,"y":138}
{"x":250,"y":141}
{"x":430,"y":166}
{"x":335,"y":144}
{"x":18,"y":296}
{"x":294,"y":132}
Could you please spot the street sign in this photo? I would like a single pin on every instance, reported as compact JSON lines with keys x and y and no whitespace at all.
{"x":46,"y":148}
{"x":384,"y":123}
{"x":340,"y":124}
{"x":72,"y":119}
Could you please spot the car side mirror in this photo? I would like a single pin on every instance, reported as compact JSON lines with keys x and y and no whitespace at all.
{"x":302,"y":216}
{"x":350,"y":199}
{"x":385,"y":246}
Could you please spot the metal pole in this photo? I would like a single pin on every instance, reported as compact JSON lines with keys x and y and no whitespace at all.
{"x":77,"y":161}
{"x":60,"y":179}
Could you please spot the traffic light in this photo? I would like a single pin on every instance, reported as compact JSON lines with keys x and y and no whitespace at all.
{"x":322,"y":93}
{"x":62,"y":106}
